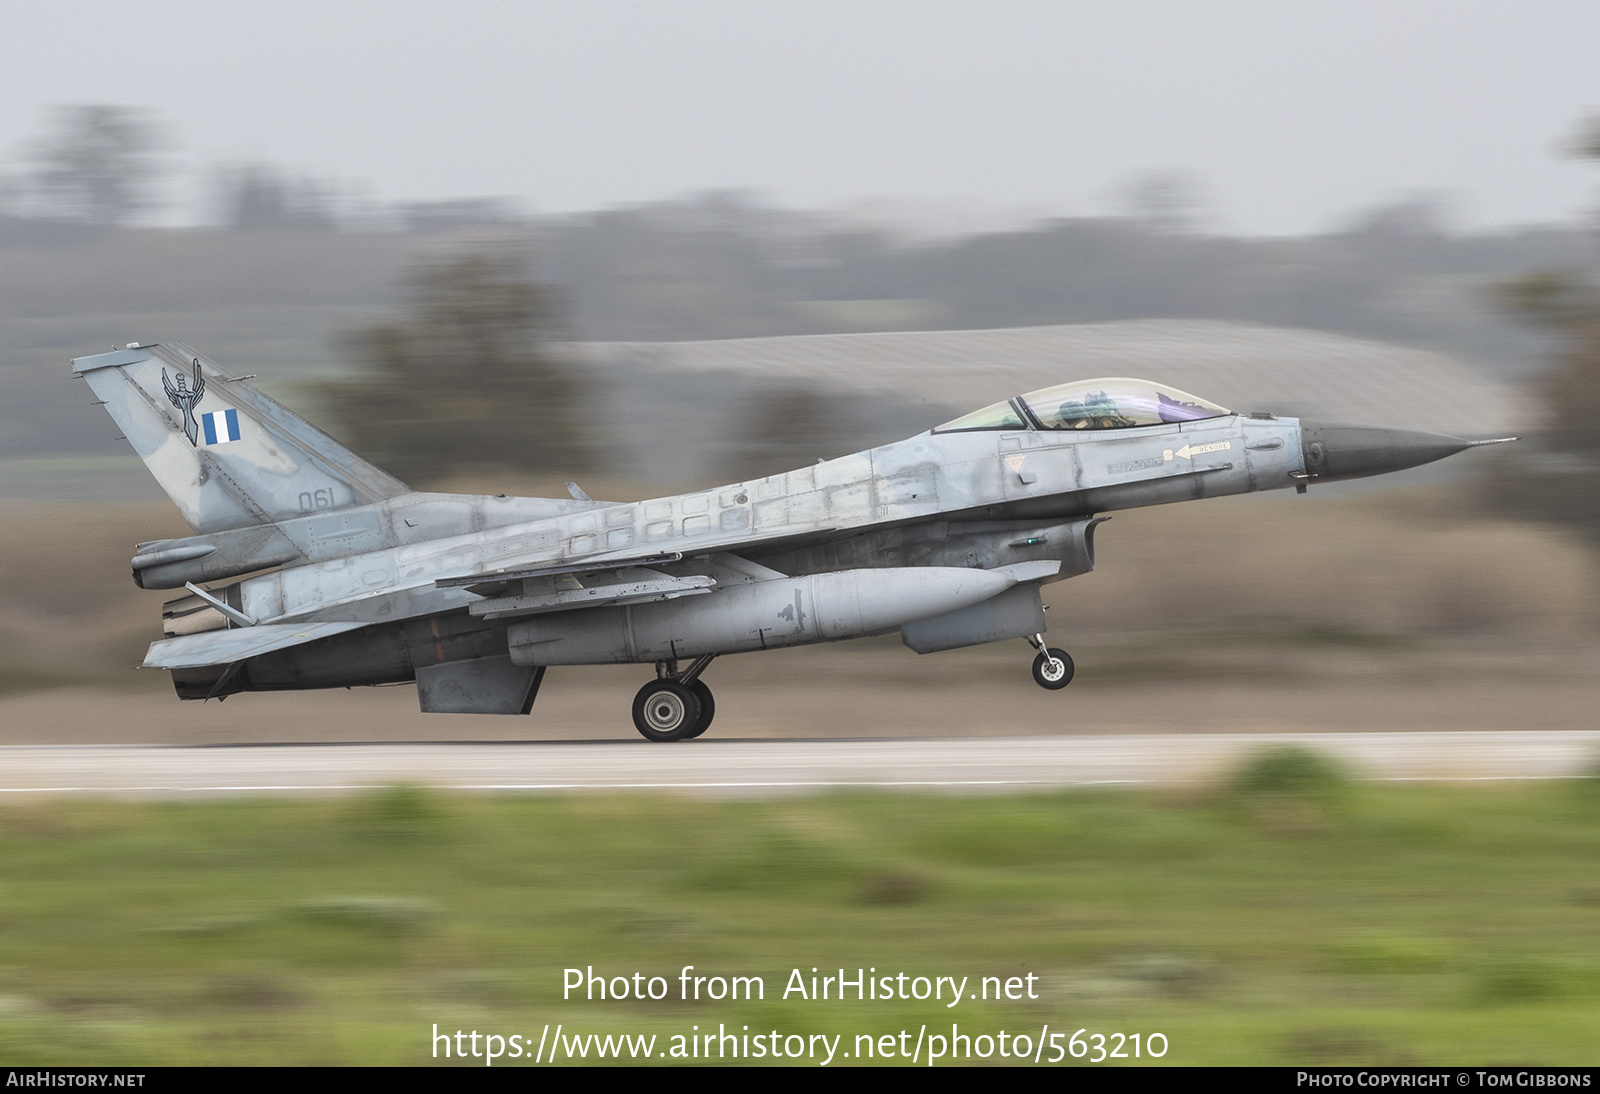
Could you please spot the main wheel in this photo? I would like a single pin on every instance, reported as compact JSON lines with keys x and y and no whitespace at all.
{"x":1053,"y":669}
{"x":708,"y":710}
{"x":665,"y":710}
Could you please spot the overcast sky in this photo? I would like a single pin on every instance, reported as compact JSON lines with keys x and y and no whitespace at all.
{"x":1291,"y":114}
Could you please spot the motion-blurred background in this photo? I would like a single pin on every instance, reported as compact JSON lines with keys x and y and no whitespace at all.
{"x":655,"y":248}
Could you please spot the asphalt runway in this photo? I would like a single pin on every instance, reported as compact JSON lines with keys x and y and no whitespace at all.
{"x":753,"y":768}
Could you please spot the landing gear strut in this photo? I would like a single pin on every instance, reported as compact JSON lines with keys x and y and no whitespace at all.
{"x":1053,"y":667}
{"x":675,"y":706}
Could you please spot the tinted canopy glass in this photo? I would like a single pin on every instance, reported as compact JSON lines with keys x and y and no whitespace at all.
{"x":996,"y":416}
{"x":1116,"y":403}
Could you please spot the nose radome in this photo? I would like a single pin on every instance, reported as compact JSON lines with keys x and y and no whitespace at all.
{"x":1352,"y":451}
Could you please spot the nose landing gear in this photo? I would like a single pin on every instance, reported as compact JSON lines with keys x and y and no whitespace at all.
{"x":676,"y":706}
{"x":1053,"y":667}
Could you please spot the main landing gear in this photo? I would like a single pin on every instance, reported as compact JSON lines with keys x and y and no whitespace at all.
{"x":1053,"y":667}
{"x":675,"y":706}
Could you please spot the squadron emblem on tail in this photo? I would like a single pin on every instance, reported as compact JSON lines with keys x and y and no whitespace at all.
{"x":185,"y":400}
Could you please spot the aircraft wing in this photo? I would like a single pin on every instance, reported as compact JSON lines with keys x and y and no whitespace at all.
{"x":630,"y":585}
{"x":192,"y":651}
{"x":533,"y":588}
{"x":489,"y":582}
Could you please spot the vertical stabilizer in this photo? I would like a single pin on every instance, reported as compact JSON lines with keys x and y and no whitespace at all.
{"x":226,"y":455}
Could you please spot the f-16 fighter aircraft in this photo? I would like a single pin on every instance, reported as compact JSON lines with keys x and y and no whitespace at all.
{"x":946,"y":537}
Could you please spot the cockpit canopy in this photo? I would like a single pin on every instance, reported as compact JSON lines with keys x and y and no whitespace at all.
{"x":1108,"y":403}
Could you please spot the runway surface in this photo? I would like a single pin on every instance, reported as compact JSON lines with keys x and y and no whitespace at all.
{"x":748,"y":768}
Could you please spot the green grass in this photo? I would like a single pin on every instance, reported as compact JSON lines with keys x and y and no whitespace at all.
{"x":1295,"y":918}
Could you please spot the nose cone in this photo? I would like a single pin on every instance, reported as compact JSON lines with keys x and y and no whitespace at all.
{"x":1353,"y":451}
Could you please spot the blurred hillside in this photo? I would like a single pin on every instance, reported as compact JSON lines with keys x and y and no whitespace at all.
{"x":740,"y":408}
{"x":721,"y":267}
{"x":278,"y":296}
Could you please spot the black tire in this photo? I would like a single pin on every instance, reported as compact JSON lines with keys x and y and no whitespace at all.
{"x":708,"y":710}
{"x":1057,"y":676}
{"x":665,"y":710}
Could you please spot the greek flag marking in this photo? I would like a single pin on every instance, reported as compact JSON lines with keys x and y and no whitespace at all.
{"x":220,"y":427}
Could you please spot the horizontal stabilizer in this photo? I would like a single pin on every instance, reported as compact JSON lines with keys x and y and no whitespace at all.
{"x":193,"y":651}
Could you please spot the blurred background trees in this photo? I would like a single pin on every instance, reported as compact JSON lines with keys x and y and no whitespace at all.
{"x":95,"y":165}
{"x":256,"y":196}
{"x":776,"y":429}
{"x":282,"y":262}
{"x":1556,"y":477}
{"x":467,"y":379}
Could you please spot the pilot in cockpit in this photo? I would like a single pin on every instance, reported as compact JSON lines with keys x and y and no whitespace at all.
{"x":1097,"y":410}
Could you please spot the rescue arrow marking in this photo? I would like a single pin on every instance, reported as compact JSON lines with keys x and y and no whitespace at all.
{"x":1189,"y":452}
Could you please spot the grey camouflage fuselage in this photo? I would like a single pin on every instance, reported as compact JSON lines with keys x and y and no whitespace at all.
{"x":945,"y":537}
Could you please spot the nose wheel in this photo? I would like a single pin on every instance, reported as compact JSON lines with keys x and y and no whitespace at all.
{"x":1052,"y":668}
{"x":676,"y":706}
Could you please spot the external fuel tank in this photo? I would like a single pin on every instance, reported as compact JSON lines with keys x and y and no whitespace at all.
{"x":789,"y":611}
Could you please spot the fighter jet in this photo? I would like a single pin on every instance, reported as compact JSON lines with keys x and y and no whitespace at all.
{"x":338,"y":575}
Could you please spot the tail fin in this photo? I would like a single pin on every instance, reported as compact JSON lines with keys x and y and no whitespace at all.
{"x":226,"y":455}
